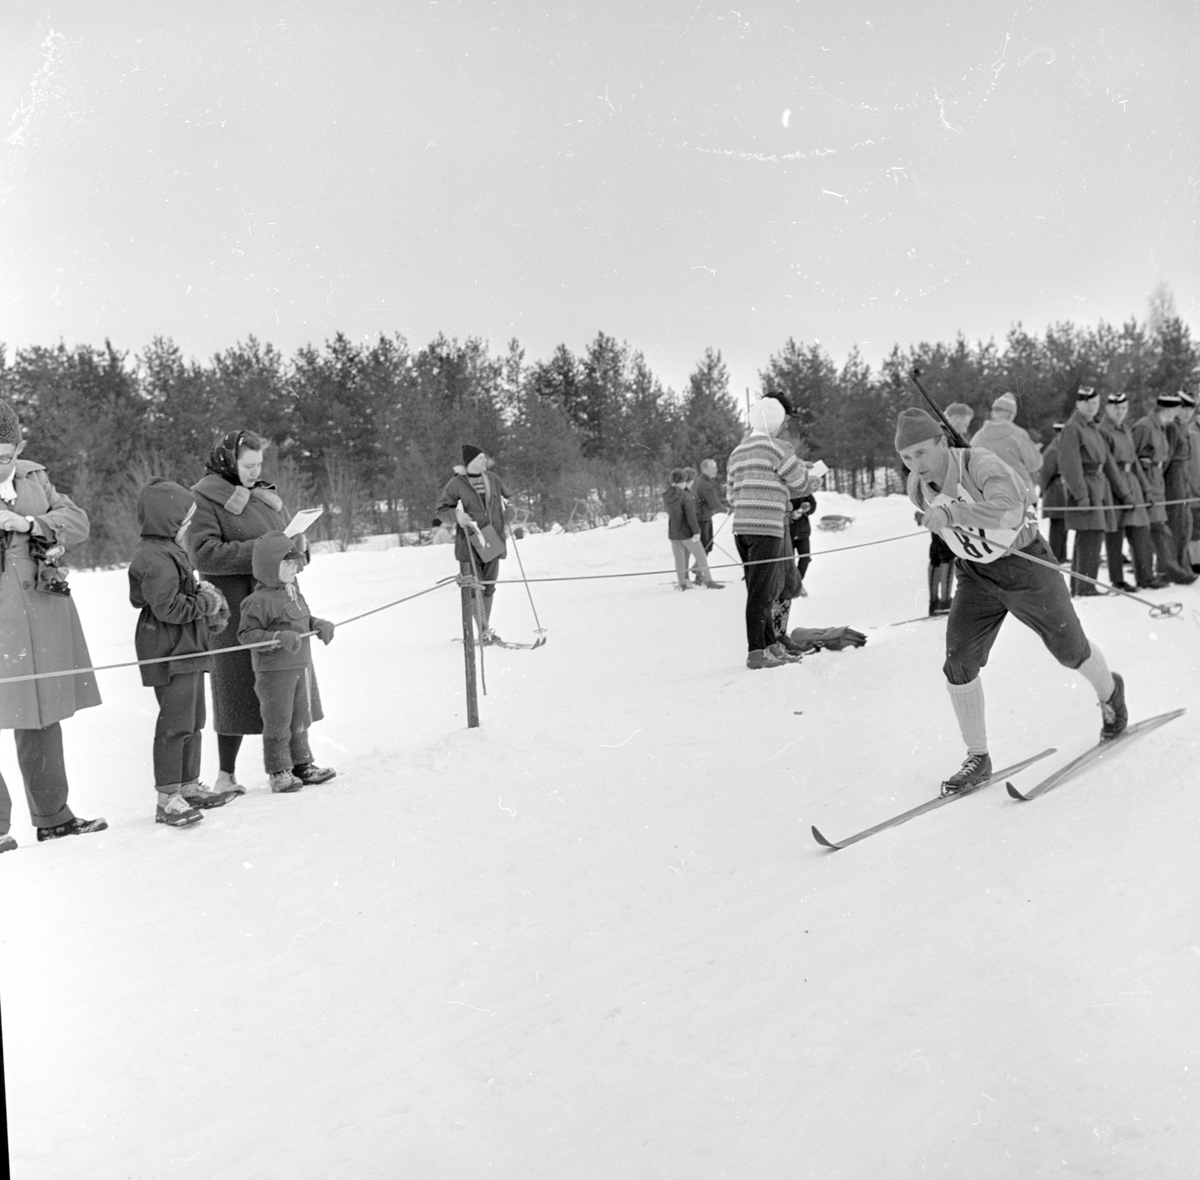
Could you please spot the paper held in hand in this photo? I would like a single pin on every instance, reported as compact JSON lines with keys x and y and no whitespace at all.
{"x":301,"y":521}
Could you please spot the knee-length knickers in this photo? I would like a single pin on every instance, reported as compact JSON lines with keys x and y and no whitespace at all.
{"x":1034,"y":594}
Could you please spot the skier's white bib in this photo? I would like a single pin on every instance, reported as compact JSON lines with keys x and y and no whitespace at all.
{"x":972,"y":544}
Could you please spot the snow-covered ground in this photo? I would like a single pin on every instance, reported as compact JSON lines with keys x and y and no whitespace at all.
{"x":594,"y":937}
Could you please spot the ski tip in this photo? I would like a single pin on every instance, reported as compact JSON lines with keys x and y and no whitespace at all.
{"x":1015,"y":793}
{"x":822,"y":841}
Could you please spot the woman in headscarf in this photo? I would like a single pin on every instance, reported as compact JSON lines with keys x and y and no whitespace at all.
{"x":234,"y":507}
{"x":39,"y":632}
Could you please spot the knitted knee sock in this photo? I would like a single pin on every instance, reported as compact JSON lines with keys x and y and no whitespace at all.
{"x":1095,"y":670}
{"x":967,"y":700}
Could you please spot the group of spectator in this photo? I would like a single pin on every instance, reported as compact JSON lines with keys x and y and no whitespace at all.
{"x":1110,"y":482}
{"x":691,"y":501}
{"x":214,"y":570}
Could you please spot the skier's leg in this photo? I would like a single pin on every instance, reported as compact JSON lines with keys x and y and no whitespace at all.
{"x":967,"y":700}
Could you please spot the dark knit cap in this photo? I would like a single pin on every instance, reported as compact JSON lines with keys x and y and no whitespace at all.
{"x":914,"y":426}
{"x":10,"y":425}
{"x":1167,"y":400}
{"x":469,"y":452}
{"x":1085,"y":393}
{"x":1118,"y":399}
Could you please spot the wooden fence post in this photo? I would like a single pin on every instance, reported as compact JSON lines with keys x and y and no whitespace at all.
{"x":468,"y":636}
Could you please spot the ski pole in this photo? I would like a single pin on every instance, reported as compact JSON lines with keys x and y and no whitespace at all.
{"x":538,"y":628}
{"x":1158,"y":610}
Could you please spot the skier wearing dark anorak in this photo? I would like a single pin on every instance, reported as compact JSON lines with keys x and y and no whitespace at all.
{"x":971,"y":497}
{"x":476,"y":500}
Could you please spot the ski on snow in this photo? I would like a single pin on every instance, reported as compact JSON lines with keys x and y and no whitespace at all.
{"x":1096,"y":751}
{"x":930,"y":805}
{"x":538,"y":642}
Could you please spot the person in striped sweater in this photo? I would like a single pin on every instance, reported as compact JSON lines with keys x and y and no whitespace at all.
{"x":763,"y":476}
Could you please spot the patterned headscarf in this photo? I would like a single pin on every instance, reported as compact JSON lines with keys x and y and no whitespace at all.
{"x":222,"y":459}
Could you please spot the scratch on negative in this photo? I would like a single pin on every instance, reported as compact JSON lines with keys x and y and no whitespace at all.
{"x":620,"y":744}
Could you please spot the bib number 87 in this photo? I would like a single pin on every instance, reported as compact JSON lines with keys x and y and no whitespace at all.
{"x":973,"y":546}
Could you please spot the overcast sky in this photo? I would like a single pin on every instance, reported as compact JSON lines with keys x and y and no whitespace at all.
{"x":676,"y":173}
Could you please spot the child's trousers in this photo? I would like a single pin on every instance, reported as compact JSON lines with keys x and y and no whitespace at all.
{"x":285,"y":699}
{"x":178,"y":732}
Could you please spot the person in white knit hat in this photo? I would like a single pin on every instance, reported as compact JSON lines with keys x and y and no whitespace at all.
{"x":1003,"y":437}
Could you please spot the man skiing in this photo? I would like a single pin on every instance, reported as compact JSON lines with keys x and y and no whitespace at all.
{"x":970,"y":496}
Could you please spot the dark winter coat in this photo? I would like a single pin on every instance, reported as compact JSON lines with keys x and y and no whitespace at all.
{"x":708,"y":498}
{"x":1153,"y":450}
{"x":1054,"y":491}
{"x":275,"y":606}
{"x":163,"y":586}
{"x":1194,"y":468}
{"x":1083,"y":457}
{"x":1129,"y":489}
{"x":229,"y":519}
{"x":483,"y":510}
{"x":40,"y":632}
{"x":1177,"y":482}
{"x":800,"y":526}
{"x":682,"y":524}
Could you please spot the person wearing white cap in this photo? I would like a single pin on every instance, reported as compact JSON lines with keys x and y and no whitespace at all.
{"x":1132,"y":522}
{"x":763,"y":476}
{"x":1154,"y":449}
{"x":1193,"y":426}
{"x":1177,"y":481}
{"x":971,"y":497}
{"x":1003,"y":437}
{"x":1085,"y":464}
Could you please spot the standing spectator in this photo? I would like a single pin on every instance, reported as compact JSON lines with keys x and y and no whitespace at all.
{"x":1193,"y":562}
{"x":791,"y":584}
{"x":1054,"y":497}
{"x":234,"y":507}
{"x":477,"y":500}
{"x":800,"y":526}
{"x":441,"y":535}
{"x":763,"y":476}
{"x":683,"y":530}
{"x":1082,"y":457}
{"x":1134,"y":521}
{"x":1003,"y":437}
{"x":1153,"y":449}
{"x":283,"y":675}
{"x":39,"y":632}
{"x":708,"y":502}
{"x":177,"y":616}
{"x":1177,"y":480}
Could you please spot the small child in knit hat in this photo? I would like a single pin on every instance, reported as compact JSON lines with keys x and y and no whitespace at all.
{"x":283,"y":675}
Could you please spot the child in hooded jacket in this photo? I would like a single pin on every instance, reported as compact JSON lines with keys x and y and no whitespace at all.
{"x":283,"y":674}
{"x":178,"y":614}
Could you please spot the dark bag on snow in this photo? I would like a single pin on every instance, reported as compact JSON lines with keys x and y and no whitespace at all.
{"x":832,"y":638}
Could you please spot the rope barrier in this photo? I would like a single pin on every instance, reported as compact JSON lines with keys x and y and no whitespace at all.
{"x":730,"y":565}
{"x":216,"y":651}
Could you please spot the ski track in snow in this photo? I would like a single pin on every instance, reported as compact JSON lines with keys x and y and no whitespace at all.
{"x":594,"y":937}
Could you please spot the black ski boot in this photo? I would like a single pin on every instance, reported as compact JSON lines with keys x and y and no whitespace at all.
{"x":975,"y":770}
{"x":1113,"y":711}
